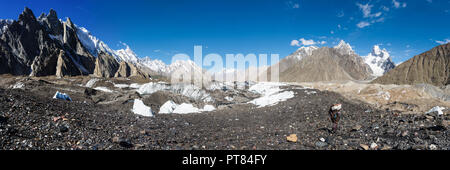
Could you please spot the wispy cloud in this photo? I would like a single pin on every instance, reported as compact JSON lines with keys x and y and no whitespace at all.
{"x":341,"y":14}
{"x":371,"y":18}
{"x":363,"y":24}
{"x":443,"y":42}
{"x":295,"y":4}
{"x":367,"y":11}
{"x":398,"y":4}
{"x":305,"y":42}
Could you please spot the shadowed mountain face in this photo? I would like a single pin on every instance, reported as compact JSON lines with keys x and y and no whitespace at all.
{"x":32,"y":46}
{"x":327,"y":64}
{"x":47,"y":46}
{"x":431,"y":67}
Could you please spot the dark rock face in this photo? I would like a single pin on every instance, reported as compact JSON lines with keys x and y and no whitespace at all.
{"x":46,"y":46}
{"x":431,"y":67}
{"x":130,"y":70}
{"x":31,"y":46}
{"x":66,"y":67}
{"x":105,"y":66}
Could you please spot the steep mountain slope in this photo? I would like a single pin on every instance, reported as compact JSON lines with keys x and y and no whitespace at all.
{"x":127,"y":69}
{"x":30,"y":46}
{"x":48,"y":46}
{"x":379,"y":61}
{"x":288,"y":62}
{"x":95,"y":46}
{"x":328,"y":64}
{"x":106,"y":66}
{"x":431,"y":67}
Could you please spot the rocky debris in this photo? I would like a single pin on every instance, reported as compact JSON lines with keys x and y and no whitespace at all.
{"x":374,"y":146}
{"x":125,"y":143}
{"x":365,"y":147}
{"x":433,"y":147}
{"x":292,"y":138}
{"x":356,"y":128}
{"x":440,"y":93}
{"x":29,"y":119}
{"x":431,"y":67}
{"x":90,"y":92}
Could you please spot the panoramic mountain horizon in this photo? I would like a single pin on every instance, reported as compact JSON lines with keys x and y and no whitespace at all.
{"x":151,"y":34}
{"x":230,"y":79}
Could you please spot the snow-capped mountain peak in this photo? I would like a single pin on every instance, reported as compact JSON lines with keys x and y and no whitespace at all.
{"x":303,"y":52}
{"x":377,"y":51}
{"x":157,"y":66}
{"x":379,"y":61}
{"x":344,"y":48}
{"x":127,"y":54}
{"x":96,"y":46}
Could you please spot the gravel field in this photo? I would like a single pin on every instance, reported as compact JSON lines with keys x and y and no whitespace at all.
{"x":32,"y":120}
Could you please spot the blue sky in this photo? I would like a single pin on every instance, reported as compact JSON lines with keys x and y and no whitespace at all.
{"x":161,"y":28}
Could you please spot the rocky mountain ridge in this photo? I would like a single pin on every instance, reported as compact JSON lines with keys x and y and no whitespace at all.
{"x":47,"y":46}
{"x":431,"y":67}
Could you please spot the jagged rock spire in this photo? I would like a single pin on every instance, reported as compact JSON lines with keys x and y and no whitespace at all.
{"x":27,"y":16}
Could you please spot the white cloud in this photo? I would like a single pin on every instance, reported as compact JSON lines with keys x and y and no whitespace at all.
{"x":305,"y":42}
{"x":295,"y":43}
{"x":367,"y":13}
{"x":366,"y":9}
{"x":363,"y":24}
{"x":398,"y":4}
{"x":443,"y":42}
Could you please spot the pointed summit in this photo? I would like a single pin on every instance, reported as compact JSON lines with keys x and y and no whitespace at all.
{"x":344,"y":48}
{"x":376,"y":50}
{"x":379,"y":61}
{"x":69,"y":23}
{"x":52,"y":16}
{"x":52,"y":13}
{"x":303,"y":52}
{"x":27,"y":15}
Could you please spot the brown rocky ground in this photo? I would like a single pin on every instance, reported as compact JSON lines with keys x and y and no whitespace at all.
{"x":405,"y":99}
{"x":31,"y":119}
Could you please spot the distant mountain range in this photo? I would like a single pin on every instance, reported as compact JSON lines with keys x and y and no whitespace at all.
{"x":47,"y":46}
